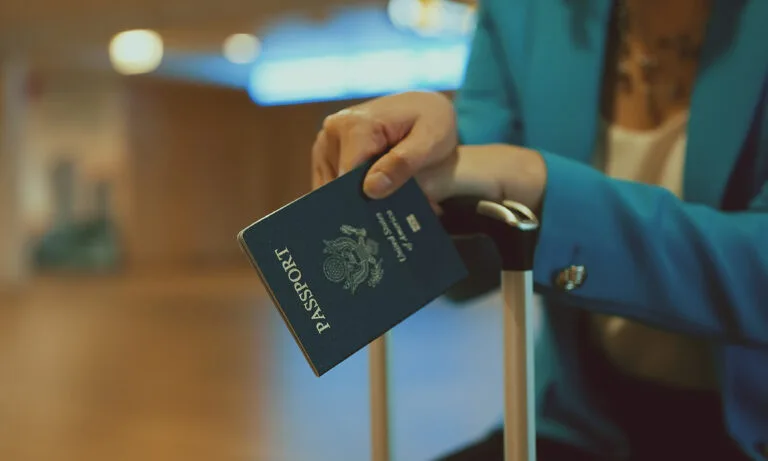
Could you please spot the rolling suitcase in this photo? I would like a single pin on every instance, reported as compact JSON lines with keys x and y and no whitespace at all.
{"x":513,"y":229}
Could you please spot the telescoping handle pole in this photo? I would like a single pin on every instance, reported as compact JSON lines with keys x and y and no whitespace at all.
{"x":379,"y":399}
{"x":514,"y":230}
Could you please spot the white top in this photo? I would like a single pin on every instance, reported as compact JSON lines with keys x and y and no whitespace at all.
{"x":654,"y":157}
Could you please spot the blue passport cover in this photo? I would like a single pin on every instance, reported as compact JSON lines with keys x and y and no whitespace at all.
{"x":344,"y":269}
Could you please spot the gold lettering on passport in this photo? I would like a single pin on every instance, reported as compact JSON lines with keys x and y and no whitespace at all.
{"x":302,"y":290}
{"x":398,"y":238}
{"x":413,"y":222}
{"x":383,"y":222}
{"x":401,"y":235}
{"x":391,"y":237}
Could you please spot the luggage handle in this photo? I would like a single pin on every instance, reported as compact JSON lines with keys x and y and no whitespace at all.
{"x":514,"y":229}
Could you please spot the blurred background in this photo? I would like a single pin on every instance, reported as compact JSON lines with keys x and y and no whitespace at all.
{"x":137,"y":137}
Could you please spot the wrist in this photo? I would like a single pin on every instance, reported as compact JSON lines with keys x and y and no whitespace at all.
{"x":525,"y":182}
{"x":501,"y":172}
{"x":479,"y":172}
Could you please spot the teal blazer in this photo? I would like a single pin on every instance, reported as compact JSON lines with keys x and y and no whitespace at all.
{"x":697,"y":265}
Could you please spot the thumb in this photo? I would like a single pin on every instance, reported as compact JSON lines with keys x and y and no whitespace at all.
{"x":400,"y":164}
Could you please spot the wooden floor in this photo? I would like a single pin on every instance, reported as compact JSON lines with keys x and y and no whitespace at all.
{"x":201,"y":368}
{"x":145,"y":368}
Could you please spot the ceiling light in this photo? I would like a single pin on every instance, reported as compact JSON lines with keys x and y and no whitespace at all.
{"x":136,"y":51}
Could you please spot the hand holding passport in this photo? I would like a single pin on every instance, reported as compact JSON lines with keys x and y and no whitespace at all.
{"x":344,"y":269}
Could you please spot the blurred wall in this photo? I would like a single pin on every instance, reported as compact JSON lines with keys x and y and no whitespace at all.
{"x":205,"y":162}
{"x":74,"y":119}
{"x":13,"y":267}
{"x":188,"y":165}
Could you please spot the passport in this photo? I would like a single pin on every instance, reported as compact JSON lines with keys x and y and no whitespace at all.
{"x":343,"y":269}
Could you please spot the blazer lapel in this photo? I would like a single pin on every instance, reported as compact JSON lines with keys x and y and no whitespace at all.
{"x":564,"y":75}
{"x":732,"y":72}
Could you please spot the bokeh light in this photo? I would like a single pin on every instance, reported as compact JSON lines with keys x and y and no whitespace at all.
{"x":241,"y":48}
{"x":136,"y":51}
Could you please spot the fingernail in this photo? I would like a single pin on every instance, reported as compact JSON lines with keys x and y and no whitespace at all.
{"x":377,"y":185}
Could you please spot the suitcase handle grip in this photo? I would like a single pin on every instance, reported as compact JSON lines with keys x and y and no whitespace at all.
{"x":512,"y":227}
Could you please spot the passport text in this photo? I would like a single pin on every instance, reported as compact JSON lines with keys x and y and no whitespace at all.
{"x":302,"y":290}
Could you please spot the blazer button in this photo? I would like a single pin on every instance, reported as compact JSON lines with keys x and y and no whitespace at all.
{"x":571,"y":277}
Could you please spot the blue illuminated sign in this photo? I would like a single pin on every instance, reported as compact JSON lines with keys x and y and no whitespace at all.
{"x":358,"y":54}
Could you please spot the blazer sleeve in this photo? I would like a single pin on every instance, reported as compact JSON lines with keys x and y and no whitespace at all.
{"x":654,"y":258}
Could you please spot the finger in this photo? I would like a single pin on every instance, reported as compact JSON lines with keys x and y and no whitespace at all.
{"x":358,"y":144}
{"x":324,"y":157}
{"x":317,"y":171}
{"x":317,"y":179}
{"x":437,"y":182}
{"x":359,"y":136}
{"x":402,"y":162}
